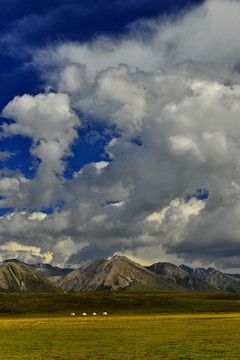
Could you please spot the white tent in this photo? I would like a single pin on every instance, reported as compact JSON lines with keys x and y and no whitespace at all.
{"x":104,"y":313}
{"x":72,"y":314}
{"x":84,"y":314}
{"x":94,"y":314}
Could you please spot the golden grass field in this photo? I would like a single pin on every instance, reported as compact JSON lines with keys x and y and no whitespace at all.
{"x":135,"y":337}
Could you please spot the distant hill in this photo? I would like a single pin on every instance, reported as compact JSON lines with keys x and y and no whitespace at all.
{"x":120,"y":303}
{"x":222,"y":281}
{"x":115,"y":274}
{"x":181,"y":277}
{"x":53,"y":273}
{"x":18,"y":277}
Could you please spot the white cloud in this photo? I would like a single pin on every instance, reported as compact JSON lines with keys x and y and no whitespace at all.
{"x":44,"y":116}
{"x":5,"y":155}
{"x":8,"y":184}
{"x":37,"y":216}
{"x":182,"y":146}
{"x":73,"y":79}
{"x":28,"y":254}
{"x":50,"y":122}
{"x":64,"y":248}
{"x":10,"y":190}
{"x":101,"y":165}
{"x":208,"y":33}
{"x":174,"y":218}
{"x":113,"y":86}
{"x":118,"y":204}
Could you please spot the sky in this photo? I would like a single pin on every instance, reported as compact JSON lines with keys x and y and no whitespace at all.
{"x":120,"y":131}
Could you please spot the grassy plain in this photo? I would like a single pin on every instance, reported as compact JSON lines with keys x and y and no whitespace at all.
{"x":152,"y":325}
{"x":172,"y":337}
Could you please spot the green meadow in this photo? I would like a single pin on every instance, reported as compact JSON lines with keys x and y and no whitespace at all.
{"x":161,"y":325}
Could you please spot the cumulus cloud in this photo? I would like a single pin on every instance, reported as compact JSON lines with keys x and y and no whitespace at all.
{"x":50,"y":122}
{"x":44,"y":116}
{"x":171,"y":91}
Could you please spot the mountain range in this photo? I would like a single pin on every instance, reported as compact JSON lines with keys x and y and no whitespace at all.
{"x":117,"y":273}
{"x":225,"y":282}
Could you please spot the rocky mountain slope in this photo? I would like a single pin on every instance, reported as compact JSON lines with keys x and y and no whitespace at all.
{"x":17,"y":277}
{"x":220,"y":280}
{"x":181,"y":277}
{"x":114,"y":274}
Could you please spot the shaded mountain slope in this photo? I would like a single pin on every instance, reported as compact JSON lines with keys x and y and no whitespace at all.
{"x":48,"y":270}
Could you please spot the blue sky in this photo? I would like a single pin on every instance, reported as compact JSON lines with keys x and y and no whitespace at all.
{"x":119,"y":131}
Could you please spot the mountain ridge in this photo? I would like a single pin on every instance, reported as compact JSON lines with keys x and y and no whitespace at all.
{"x":117,"y":273}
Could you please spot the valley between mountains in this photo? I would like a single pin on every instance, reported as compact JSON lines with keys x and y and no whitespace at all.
{"x":117,"y":273}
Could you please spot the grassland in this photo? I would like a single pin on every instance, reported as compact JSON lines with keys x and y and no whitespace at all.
{"x":172,"y":326}
{"x":173,"y":337}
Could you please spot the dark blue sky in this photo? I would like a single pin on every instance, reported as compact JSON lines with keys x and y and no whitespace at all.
{"x":25,"y":25}
{"x":28,"y":25}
